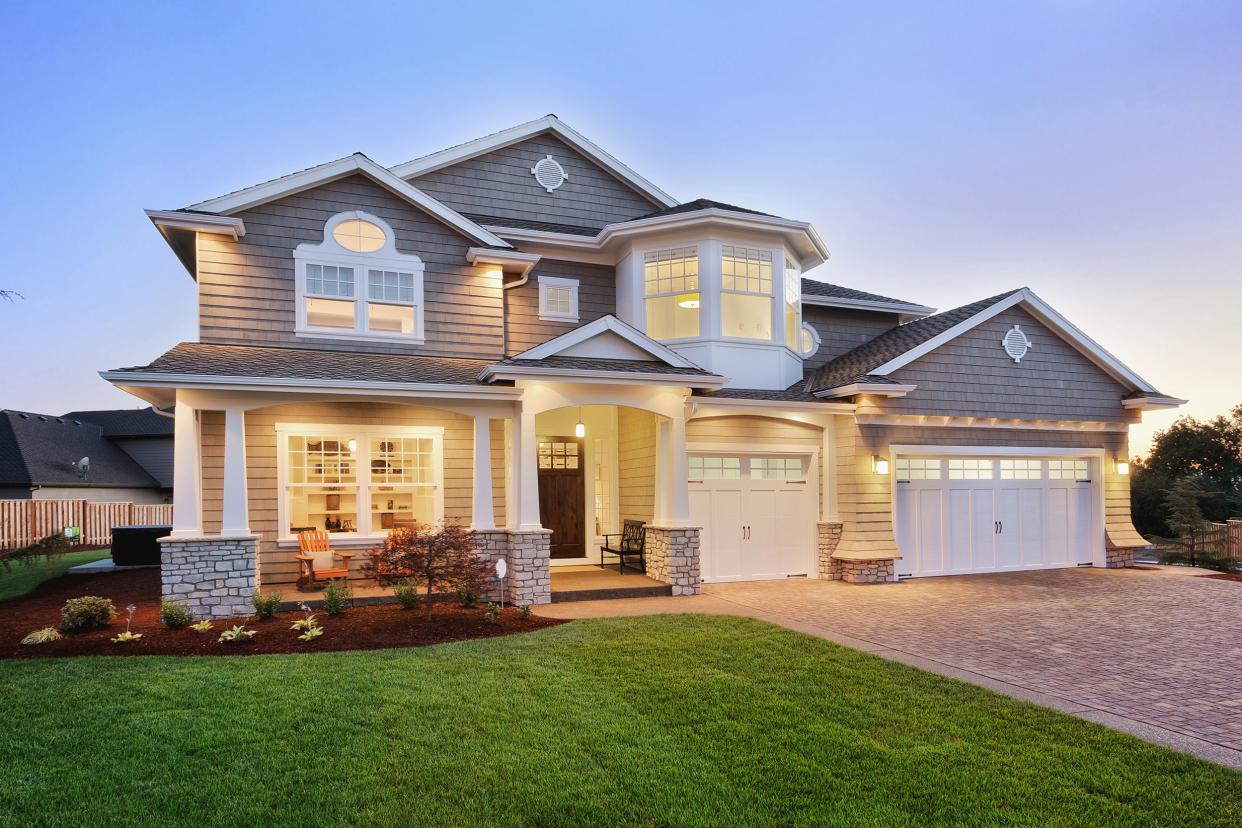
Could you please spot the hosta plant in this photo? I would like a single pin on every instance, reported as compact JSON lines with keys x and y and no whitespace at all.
{"x":236,"y":634}
{"x":309,"y":626}
{"x":128,"y":636}
{"x":43,"y":636}
{"x":202,"y":626}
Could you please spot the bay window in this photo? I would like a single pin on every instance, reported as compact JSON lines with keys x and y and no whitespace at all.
{"x":671,"y":287}
{"x":793,"y":302}
{"x":746,"y":292}
{"x":358,"y":480}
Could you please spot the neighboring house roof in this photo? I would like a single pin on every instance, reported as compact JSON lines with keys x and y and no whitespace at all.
{"x":702,"y":204}
{"x":41,"y":450}
{"x":127,"y":422}
{"x":521,"y":132}
{"x":815,"y":292}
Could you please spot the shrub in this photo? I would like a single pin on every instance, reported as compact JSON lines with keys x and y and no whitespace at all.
{"x":492,"y":613}
{"x":446,"y":559}
{"x":467,"y":595}
{"x":42,"y":636}
{"x":175,"y":615}
{"x":86,"y":613}
{"x":524,"y":612}
{"x":337,"y":595}
{"x":406,"y":593}
{"x":265,"y":606}
{"x":238,"y":633}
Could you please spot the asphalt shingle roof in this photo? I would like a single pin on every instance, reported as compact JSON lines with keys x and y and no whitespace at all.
{"x":41,"y":450}
{"x":794,"y":393}
{"x":857,"y":365}
{"x":701,"y":204}
{"x":631,"y":366}
{"x":527,"y":224}
{"x":127,"y":422}
{"x":814,"y":287}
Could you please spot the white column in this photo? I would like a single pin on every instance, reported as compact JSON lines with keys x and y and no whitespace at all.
{"x":524,"y":450}
{"x":828,"y":459}
{"x":663,"y":472}
{"x":187,"y":494}
{"x":482,"y":517}
{"x":236,"y":512}
{"x":679,"y":473}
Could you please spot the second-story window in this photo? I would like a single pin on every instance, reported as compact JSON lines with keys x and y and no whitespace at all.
{"x":793,"y":302}
{"x":356,"y":285}
{"x":746,"y":292}
{"x":671,"y":287}
{"x":558,"y":299}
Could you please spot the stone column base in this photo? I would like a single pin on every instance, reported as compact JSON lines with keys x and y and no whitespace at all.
{"x":530,"y":574}
{"x":493,"y":546}
{"x":673,"y":557}
{"x":1118,"y":557}
{"x":866,"y":572}
{"x":215,"y":576}
{"x":829,"y":537}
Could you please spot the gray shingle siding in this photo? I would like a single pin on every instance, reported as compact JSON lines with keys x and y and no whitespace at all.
{"x":500,"y":184}
{"x":972,"y":375}
{"x":843,"y":330}
{"x":597,"y":296}
{"x":246,"y":288}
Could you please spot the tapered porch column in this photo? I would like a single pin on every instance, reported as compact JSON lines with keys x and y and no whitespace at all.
{"x":187,"y":494}
{"x":482,"y":518}
{"x":527,"y":461}
{"x":235,"y":520}
{"x":672,"y":500}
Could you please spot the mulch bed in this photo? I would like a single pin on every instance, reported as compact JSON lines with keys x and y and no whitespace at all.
{"x":358,"y":628}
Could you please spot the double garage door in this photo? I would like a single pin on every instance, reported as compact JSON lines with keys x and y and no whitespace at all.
{"x":758,"y":515}
{"x":960,"y":515}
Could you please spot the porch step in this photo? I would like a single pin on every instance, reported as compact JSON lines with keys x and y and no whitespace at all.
{"x":610,"y":593}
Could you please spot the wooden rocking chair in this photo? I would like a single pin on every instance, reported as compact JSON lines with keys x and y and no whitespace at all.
{"x":313,"y":549}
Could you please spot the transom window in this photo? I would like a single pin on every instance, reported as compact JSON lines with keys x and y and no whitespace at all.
{"x":1021,"y":470}
{"x":970,"y":469}
{"x":323,"y":487}
{"x":777,"y":468}
{"x":671,"y":286}
{"x":1069,"y":470}
{"x":330,"y":303}
{"x":714,"y":468}
{"x":558,"y":299}
{"x":746,"y":292}
{"x":917,"y":468}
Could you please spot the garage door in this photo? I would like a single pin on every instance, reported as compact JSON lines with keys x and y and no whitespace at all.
{"x":961,"y":515}
{"x":758,"y":515}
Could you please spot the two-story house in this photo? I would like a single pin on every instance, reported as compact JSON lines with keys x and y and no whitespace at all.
{"x":525,"y":335}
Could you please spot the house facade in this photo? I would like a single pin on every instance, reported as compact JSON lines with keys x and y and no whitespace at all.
{"x":523,"y":334}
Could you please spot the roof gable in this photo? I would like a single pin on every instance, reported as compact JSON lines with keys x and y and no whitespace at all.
{"x":607,"y":338}
{"x":521,"y":132}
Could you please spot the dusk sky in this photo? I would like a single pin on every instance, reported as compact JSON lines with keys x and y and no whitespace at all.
{"x":1089,"y":150}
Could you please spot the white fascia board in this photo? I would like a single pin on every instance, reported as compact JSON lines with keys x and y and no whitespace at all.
{"x":333,"y":170}
{"x":715,"y":215}
{"x":177,"y":220}
{"x":1002,"y":451}
{"x":866,"y":304}
{"x":707,"y":403}
{"x":873,"y":389}
{"x":524,"y":372}
{"x":140,"y":379}
{"x":1042,"y":311}
{"x":524,"y":262}
{"x":607,"y":323}
{"x":1153,"y":403}
{"x":512,"y":135}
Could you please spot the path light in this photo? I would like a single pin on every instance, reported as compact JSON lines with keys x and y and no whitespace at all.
{"x":879,"y":465}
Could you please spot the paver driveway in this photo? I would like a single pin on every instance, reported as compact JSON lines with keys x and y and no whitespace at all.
{"x":1155,"y":648}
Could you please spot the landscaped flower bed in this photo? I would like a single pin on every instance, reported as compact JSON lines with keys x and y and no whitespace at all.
{"x":357,"y":628}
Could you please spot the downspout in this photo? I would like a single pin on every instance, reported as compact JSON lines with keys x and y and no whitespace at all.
{"x":504,"y":310}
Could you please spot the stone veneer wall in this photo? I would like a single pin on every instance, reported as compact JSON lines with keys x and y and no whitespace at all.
{"x":215,"y":576}
{"x":528,"y":554}
{"x":866,"y":572}
{"x":1118,"y":557}
{"x":829,"y":537}
{"x":673,"y":558}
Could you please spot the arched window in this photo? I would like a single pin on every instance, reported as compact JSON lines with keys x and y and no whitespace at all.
{"x":356,"y":285}
{"x":809,"y":340}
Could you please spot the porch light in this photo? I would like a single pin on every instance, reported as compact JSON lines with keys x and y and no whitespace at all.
{"x":879,"y":465}
{"x":688,"y":300}
{"x":1123,"y":468}
{"x":580,"y":427}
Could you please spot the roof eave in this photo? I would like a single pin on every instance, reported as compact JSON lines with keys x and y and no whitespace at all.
{"x":511,"y":372}
{"x":872,"y":389}
{"x":159,"y":380}
{"x":1153,"y":403}
{"x":904,"y":308}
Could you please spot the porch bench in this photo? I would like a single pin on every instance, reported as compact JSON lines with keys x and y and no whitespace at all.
{"x":632,"y":541}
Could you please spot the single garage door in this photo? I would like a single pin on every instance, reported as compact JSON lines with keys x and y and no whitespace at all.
{"x":758,"y":515}
{"x":961,"y":515}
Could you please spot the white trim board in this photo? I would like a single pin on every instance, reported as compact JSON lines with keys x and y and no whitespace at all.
{"x":333,"y":170}
{"x":177,"y":220}
{"x":521,"y":132}
{"x":937,"y":421}
{"x":599,"y":326}
{"x":523,"y":372}
{"x":993,"y":451}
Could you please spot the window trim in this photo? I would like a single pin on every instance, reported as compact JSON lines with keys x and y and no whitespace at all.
{"x":330,"y":252}
{"x":771,"y":295}
{"x":816,"y":340}
{"x":700,"y":256}
{"x":547,"y":315}
{"x":362,"y":456}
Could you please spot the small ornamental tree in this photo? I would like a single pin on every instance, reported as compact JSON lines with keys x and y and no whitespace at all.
{"x":444,"y":559}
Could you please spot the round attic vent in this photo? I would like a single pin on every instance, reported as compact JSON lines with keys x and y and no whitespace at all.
{"x":549,"y":173}
{"x":1016,"y":344}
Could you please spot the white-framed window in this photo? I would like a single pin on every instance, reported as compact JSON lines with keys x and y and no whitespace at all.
{"x":968,"y":469}
{"x":809,"y":340}
{"x":354,"y":480}
{"x":703,"y":467}
{"x":356,"y":285}
{"x":671,"y":288}
{"x":1021,"y":469}
{"x":558,"y":299}
{"x":1069,"y":469}
{"x":793,"y":305}
{"x":746,"y":292}
{"x":917,"y":468}
{"x":777,"y":468}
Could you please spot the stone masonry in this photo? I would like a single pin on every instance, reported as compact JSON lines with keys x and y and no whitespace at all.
{"x":530,"y":575}
{"x":1118,"y":557}
{"x":866,"y":572}
{"x":215,"y":576}
{"x":829,"y":537}
{"x":673,"y":557}
{"x":493,"y":545}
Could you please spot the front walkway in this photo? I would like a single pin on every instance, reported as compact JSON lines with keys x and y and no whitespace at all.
{"x":1154,"y":653}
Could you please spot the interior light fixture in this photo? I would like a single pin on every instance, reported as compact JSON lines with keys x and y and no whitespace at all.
{"x":879,"y":465}
{"x":688,"y":300}
{"x":353,"y":446}
{"x":580,"y":427}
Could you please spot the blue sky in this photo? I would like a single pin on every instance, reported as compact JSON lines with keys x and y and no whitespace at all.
{"x":946,"y":152}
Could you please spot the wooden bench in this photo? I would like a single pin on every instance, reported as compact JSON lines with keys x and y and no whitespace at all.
{"x":313,"y":546}
{"x":632,"y":542}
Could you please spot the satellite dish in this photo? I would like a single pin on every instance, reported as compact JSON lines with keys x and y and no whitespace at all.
{"x":83,"y":466}
{"x":501,"y":568}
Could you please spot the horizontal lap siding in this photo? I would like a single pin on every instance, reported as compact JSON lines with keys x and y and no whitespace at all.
{"x":636,"y":451}
{"x":842,"y":330}
{"x":973,"y":376}
{"x":500,"y":183}
{"x":246,"y":287}
{"x":597,"y":296}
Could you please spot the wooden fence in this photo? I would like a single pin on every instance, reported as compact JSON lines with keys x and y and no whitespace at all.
{"x":25,"y":521}
{"x":1216,"y":542}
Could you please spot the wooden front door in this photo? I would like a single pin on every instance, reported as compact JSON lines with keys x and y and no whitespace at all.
{"x":562,"y":494}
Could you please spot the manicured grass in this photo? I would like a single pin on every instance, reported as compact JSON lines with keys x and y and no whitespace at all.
{"x":21,"y":579}
{"x":666,"y":720}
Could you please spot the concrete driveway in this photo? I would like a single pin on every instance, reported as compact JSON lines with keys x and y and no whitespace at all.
{"x":1156,"y":653}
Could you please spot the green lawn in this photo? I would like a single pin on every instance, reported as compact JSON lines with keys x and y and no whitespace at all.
{"x":21,"y":579}
{"x":673,"y":720}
